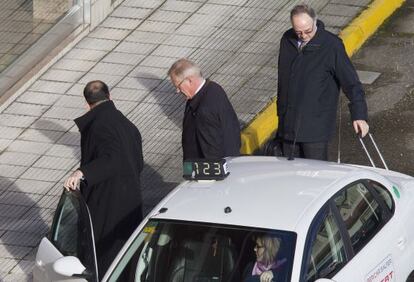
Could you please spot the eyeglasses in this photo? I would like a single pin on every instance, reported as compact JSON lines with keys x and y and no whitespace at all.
{"x":306,"y":32}
{"x":258,"y":246}
{"x":178,"y":86}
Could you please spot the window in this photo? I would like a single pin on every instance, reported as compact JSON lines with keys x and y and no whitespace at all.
{"x":174,"y":251}
{"x":384,"y":194}
{"x":66,"y":229}
{"x":361,"y":214}
{"x":328,"y":252}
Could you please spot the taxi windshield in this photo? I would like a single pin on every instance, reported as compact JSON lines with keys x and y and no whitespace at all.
{"x":178,"y":251}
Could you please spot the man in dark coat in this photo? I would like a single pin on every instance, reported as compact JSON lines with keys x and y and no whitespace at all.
{"x":210,"y":126}
{"x":313,"y":66}
{"x":111,"y":163}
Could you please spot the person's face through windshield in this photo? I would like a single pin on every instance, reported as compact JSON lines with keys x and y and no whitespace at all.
{"x":259,"y":249}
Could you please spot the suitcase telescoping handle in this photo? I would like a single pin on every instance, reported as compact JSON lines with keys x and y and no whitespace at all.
{"x":376,"y":148}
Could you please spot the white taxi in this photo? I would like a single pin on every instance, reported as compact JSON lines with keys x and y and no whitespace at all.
{"x":331,"y":222}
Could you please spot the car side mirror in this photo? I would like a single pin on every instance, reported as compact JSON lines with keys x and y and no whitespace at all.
{"x":68,"y":266}
{"x":324,"y":280}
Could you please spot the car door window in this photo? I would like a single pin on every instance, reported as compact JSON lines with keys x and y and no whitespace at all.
{"x":328,"y":252}
{"x":384,"y":194}
{"x":71,"y":231}
{"x":361,"y":214}
{"x":65,"y":234}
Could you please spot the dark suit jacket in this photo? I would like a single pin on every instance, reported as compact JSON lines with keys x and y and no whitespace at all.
{"x":210,"y":125}
{"x":111,"y":161}
{"x":308,"y":86}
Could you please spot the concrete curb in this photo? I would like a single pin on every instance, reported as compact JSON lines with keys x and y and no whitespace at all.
{"x":256,"y":133}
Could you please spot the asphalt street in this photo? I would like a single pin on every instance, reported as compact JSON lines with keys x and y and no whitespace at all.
{"x":390,"y":97}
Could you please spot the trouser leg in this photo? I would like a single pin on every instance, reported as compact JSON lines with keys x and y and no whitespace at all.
{"x":315,"y":150}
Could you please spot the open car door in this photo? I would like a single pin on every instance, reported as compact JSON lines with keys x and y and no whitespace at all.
{"x":68,"y":252}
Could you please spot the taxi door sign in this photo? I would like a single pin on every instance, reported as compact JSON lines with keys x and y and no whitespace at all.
{"x":383,"y":272}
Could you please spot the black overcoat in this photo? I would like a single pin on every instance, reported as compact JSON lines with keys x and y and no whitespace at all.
{"x":309,"y":81}
{"x":211,"y":128}
{"x":111,"y":161}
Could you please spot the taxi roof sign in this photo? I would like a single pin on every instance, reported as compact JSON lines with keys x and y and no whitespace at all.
{"x":205,"y":169}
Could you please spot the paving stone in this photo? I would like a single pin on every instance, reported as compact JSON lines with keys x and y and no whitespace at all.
{"x":143,"y":3}
{"x":19,"y":238}
{"x":335,"y":21}
{"x":72,"y":102}
{"x":172,"y":51}
{"x":62,"y":75}
{"x":121,"y":23}
{"x":147,"y":37}
{"x":49,"y":201}
{"x":39,"y":135}
{"x":50,"y":162}
{"x":169,"y":16}
{"x":16,"y":120}
{"x":246,"y":24}
{"x":109,"y":33}
{"x":28,"y":147}
{"x":196,"y":30}
{"x":12,"y":211}
{"x":70,"y":138}
{"x":50,"y":86}
{"x":42,"y":174}
{"x":15,"y":158}
{"x":31,"y":186}
{"x":64,"y":151}
{"x":37,"y":226}
{"x":158,"y":26}
{"x":64,"y":113}
{"x":123,"y":58}
{"x":158,"y":62}
{"x":131,"y":12}
{"x":135,"y":48}
{"x":22,"y":270}
{"x":85,"y":54}
{"x":32,"y":97}
{"x":139,"y":83}
{"x":360,"y":3}
{"x":74,"y":65}
{"x":181,"y":6}
{"x":52,"y":124}
{"x":7,"y":263}
{"x":209,"y":20}
{"x":10,"y":132}
{"x":4,"y":143}
{"x":111,"y":68}
{"x":76,"y":89}
{"x":9,"y":251}
{"x":119,"y":94}
{"x":149,"y":72}
{"x":18,"y":108}
{"x":229,"y":2}
{"x":340,"y":10}
{"x":97,"y":44}
{"x":260,"y":48}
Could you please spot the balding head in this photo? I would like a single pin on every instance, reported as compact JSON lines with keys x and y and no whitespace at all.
{"x":183,"y":68}
{"x":95,"y":91}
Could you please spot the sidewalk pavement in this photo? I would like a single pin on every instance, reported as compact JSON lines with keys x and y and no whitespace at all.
{"x":236,"y":43}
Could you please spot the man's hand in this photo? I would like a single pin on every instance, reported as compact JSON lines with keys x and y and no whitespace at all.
{"x":361,"y":127}
{"x":266,"y":276}
{"x":72,"y":183}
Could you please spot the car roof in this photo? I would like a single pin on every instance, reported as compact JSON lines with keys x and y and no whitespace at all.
{"x":265,"y":192}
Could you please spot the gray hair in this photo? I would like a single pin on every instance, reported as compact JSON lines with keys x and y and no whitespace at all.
{"x":184,"y":68}
{"x":303,"y":9}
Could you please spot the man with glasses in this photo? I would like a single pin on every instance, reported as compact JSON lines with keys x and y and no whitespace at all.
{"x":210,"y":125}
{"x":313,"y":66}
